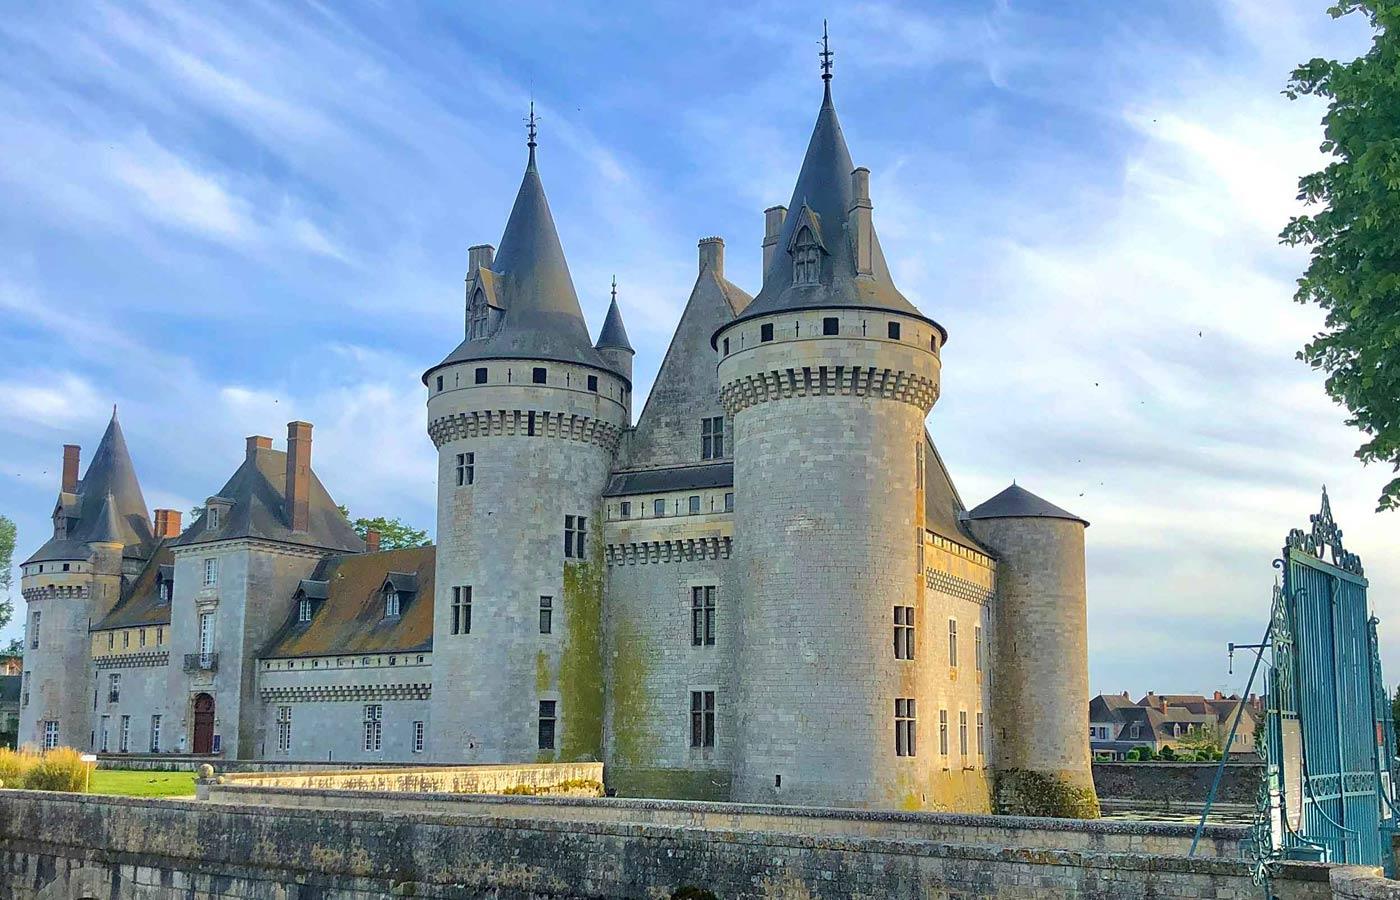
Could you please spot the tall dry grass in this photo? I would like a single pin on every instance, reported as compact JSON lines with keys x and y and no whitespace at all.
{"x":60,"y":769}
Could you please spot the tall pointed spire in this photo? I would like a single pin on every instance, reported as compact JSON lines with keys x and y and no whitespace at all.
{"x":614,"y":335}
{"x":539,"y":313}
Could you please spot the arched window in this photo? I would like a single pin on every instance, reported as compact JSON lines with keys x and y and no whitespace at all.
{"x":478,"y":315}
{"x":806,"y":258}
{"x":391,"y":602}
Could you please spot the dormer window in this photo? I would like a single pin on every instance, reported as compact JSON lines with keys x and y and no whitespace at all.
{"x":165,"y":592}
{"x":478,"y":315}
{"x":304,"y":610}
{"x":212,"y":517}
{"x":806,"y":258}
{"x":391,"y":602}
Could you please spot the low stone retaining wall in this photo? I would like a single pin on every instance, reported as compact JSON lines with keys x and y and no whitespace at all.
{"x":172,"y":762}
{"x":1358,"y":883}
{"x":1171,"y":784}
{"x":56,"y":845}
{"x":954,"y":828}
{"x":537,"y":778}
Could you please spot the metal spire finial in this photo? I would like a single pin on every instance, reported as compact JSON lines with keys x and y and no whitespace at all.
{"x":825,"y":55}
{"x":530,"y":127}
{"x":614,"y":292}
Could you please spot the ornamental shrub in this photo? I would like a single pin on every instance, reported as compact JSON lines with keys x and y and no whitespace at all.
{"x":60,"y":769}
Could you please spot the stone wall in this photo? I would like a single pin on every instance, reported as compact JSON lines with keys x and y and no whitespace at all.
{"x":111,"y":847}
{"x":1358,"y":883}
{"x":1176,"y":784}
{"x":444,"y":779}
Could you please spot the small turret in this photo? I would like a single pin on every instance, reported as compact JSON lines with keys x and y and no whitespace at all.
{"x":612,"y":340}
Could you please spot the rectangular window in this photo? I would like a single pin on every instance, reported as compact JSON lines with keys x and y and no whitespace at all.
{"x":894,"y":331}
{"x":593,"y":383}
{"x":211,"y":572}
{"x":304,"y":609}
{"x":831,"y":325}
{"x":155,"y":734}
{"x":461,"y":610}
{"x":546,"y":615}
{"x":625,"y":509}
{"x":111,"y":640}
{"x":547,"y":718}
{"x":962,"y":732}
{"x":693,"y":504}
{"x":143,"y":637}
{"x":374,"y":727}
{"x":114,"y":687}
{"x":977,"y":644}
{"x":102,"y":737}
{"x":981,"y":731}
{"x":126,"y":640}
{"x":953,"y":643}
{"x":50,"y":734}
{"x":658,"y":508}
{"x":765,"y":332}
{"x":391,"y":604}
{"x":729,"y":502}
{"x":702,"y":718}
{"x":213,"y":517}
{"x":34,"y":630}
{"x":466,"y":469}
{"x":417,"y":737}
{"x":206,"y":638}
{"x":904,"y":632}
{"x":943,"y":731}
{"x":712,"y":437}
{"x":539,"y":375}
{"x":575,"y":536}
{"x":284,"y":729}
{"x":160,"y":635}
{"x":439,"y":382}
{"x":481,"y":375}
{"x":702,"y":616}
{"x":124,"y":736}
{"x":24,"y":690}
{"x":904,"y":727}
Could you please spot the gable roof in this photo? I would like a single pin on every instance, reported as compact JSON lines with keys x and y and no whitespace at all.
{"x":943,"y":507}
{"x":351,"y":619}
{"x":542,"y":318}
{"x":140,"y":602}
{"x":256,"y":493}
{"x":1018,"y":503}
{"x":109,"y":473}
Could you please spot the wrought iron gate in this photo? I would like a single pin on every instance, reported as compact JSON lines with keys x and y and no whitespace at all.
{"x":1329,"y":739}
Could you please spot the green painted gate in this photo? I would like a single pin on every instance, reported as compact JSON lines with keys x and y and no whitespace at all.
{"x":1328,"y":732}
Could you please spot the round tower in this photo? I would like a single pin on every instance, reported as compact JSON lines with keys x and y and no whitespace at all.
{"x":1040,"y":683}
{"x":828,"y":376}
{"x":526,"y":415}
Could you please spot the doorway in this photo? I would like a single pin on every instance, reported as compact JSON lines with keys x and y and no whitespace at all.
{"x":203,"y":723}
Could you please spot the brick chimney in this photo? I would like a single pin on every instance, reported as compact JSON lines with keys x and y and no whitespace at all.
{"x":257,"y":442}
{"x":1219,"y":696}
{"x":167,"y":523}
{"x":298,"y":475}
{"x":712,"y":255}
{"x":70,"y":468}
{"x":371,"y":541}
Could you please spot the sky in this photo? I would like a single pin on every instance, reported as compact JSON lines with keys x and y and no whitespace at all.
{"x":224,"y":217}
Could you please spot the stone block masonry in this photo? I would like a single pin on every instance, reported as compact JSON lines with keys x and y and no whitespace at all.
{"x":54,"y":845}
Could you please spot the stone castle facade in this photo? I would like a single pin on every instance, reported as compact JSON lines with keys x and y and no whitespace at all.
{"x":764,"y":589}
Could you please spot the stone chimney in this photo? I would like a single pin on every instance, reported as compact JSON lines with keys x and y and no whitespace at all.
{"x":1125,"y":695}
{"x":167,"y":523}
{"x":70,"y":468}
{"x":257,"y":442}
{"x":862,"y":230}
{"x":773,"y":218}
{"x":712,"y":255}
{"x":1162,"y":704}
{"x":479,"y":257}
{"x":371,"y":541}
{"x":298,"y":490}
{"x":1219,"y":696}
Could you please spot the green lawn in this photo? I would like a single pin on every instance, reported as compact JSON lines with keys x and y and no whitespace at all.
{"x":130,"y":783}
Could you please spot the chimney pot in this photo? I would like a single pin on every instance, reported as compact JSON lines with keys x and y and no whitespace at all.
{"x":773,"y":218}
{"x":860,"y":184}
{"x":479,"y":257}
{"x":712,"y":255}
{"x":1219,"y":696}
{"x":70,"y":468}
{"x":298,"y":488}
{"x":371,"y":541}
{"x":257,"y":442}
{"x":167,"y":523}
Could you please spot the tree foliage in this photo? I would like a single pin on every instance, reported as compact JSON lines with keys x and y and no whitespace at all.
{"x":1354,"y":234}
{"x":394,"y":534}
{"x":7,"y":562}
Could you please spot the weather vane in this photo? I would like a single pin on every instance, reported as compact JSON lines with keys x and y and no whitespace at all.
{"x":825,"y":55}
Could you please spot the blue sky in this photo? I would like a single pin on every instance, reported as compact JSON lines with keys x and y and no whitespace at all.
{"x":227,"y":216}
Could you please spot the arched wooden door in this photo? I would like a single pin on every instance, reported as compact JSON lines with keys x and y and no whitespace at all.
{"x":203,"y":723}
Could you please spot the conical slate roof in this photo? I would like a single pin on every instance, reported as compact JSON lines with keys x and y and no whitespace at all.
{"x":822,"y":200}
{"x":614,"y":335}
{"x":541,"y":316}
{"x":1018,"y":503}
{"x":110,"y":480}
{"x":106,"y":529}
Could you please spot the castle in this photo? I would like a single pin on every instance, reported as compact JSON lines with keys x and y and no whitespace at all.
{"x":764,"y":589}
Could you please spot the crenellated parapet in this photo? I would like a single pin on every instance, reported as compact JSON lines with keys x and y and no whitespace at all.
{"x":56,"y":592}
{"x":641,"y":553}
{"x":524,"y":423}
{"x":752,"y":388}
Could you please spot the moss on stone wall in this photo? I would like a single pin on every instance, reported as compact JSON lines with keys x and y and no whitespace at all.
{"x":633,"y":744}
{"x":1022,"y":792}
{"x":668,"y":784}
{"x":581,"y":663}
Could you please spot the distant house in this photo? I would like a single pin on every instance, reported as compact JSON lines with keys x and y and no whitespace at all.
{"x":1157,"y":721}
{"x":9,"y":709}
{"x":11,"y":663}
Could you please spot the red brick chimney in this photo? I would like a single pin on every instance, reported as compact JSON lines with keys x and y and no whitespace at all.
{"x":1219,"y":696}
{"x":257,"y":442}
{"x":167,"y":523}
{"x":371,"y":541}
{"x":70,"y":468}
{"x":298,"y":475}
